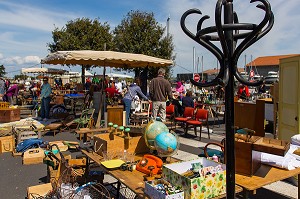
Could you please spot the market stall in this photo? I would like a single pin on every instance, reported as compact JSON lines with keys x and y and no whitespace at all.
{"x":104,"y":59}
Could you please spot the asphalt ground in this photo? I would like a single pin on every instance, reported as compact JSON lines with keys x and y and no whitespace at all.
{"x":16,"y":177}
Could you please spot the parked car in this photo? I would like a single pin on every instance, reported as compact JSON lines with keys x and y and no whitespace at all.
{"x":269,"y":80}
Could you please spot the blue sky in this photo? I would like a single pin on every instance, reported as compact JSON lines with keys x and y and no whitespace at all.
{"x":25,"y":27}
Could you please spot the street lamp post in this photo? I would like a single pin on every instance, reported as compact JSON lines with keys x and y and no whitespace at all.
{"x":168,"y":26}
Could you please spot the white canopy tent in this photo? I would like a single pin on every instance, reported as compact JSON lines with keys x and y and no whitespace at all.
{"x":114,"y":75}
{"x":43,"y":71}
{"x":74,"y":76}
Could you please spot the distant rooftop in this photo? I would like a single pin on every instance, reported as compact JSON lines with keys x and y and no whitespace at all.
{"x":269,"y":60}
{"x":215,"y":71}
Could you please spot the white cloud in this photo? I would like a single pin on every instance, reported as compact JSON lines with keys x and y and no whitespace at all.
{"x":26,"y":29}
{"x":282,"y":39}
{"x":32,"y":59}
{"x":21,"y":60}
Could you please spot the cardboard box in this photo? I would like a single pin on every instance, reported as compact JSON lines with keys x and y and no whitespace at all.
{"x":107,"y":142}
{"x":38,"y":190}
{"x":208,"y":186}
{"x":33,"y":156}
{"x":247,"y":160}
{"x":153,"y":193}
{"x":7,"y":144}
{"x":9,"y":114}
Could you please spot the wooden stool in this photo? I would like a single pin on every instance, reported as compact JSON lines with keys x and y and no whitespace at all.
{"x":54,"y":127}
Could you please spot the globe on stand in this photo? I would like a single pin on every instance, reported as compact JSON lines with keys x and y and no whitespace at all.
{"x":166,"y":144}
{"x":153,"y":129}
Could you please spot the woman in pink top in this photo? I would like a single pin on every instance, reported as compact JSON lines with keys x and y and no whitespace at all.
{"x":12,"y":91}
{"x":179,"y":87}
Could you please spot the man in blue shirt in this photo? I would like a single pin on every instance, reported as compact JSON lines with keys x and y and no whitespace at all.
{"x":45,"y":97}
{"x":2,"y":87}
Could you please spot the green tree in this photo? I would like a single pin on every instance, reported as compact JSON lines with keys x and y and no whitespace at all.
{"x":82,"y":34}
{"x":2,"y":70}
{"x":140,"y":33}
{"x":22,"y":76}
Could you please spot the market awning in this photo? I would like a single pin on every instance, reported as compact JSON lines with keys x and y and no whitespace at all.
{"x":104,"y":58}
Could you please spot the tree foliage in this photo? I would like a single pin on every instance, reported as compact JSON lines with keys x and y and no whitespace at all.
{"x":82,"y":34}
{"x":2,"y":70}
{"x":21,"y":76}
{"x":140,"y":33}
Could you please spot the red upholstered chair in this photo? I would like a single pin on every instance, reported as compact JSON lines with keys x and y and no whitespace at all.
{"x":188,"y":114}
{"x":201,"y":117}
{"x":150,"y":111}
{"x":170,"y":112}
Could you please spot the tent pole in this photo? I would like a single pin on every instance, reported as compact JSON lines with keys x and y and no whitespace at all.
{"x":102,"y":100}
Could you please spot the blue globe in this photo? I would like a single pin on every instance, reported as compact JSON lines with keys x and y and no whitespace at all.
{"x":153,"y":129}
{"x":166,"y":143}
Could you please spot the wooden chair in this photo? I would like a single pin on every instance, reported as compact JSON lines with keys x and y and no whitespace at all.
{"x":187,"y":114}
{"x":86,"y":120}
{"x":143,"y":115}
{"x":216,"y":113}
{"x":210,"y":152}
{"x":60,"y":126}
{"x":201,"y":117}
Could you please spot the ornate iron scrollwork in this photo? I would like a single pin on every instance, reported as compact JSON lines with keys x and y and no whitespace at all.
{"x":205,"y":37}
{"x":228,"y":34}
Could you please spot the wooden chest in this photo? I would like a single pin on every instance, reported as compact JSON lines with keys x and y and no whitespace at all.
{"x":104,"y":143}
{"x":247,"y":161}
{"x":115,"y":114}
{"x":9,"y":114}
{"x":33,"y":156}
{"x":7,"y":144}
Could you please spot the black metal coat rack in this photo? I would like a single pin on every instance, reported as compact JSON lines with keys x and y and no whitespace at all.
{"x":228,"y":35}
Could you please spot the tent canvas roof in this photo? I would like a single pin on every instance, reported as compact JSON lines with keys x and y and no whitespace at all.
{"x":43,"y":70}
{"x":104,"y":58}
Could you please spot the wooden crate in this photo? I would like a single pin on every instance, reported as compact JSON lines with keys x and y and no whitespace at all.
{"x":38,"y":190}
{"x":25,"y":135}
{"x":247,"y":161}
{"x":60,"y":144}
{"x":104,"y":142}
{"x":4,"y":105}
{"x":9,"y":114}
{"x":16,"y":154}
{"x":5,"y":131}
{"x":7,"y":144}
{"x":33,"y":156}
{"x":272,"y":146}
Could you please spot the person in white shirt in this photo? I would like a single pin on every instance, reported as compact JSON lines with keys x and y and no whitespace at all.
{"x":118,"y":86}
{"x":187,"y":85}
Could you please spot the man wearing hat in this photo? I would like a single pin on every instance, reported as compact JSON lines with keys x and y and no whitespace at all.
{"x":45,"y":97}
